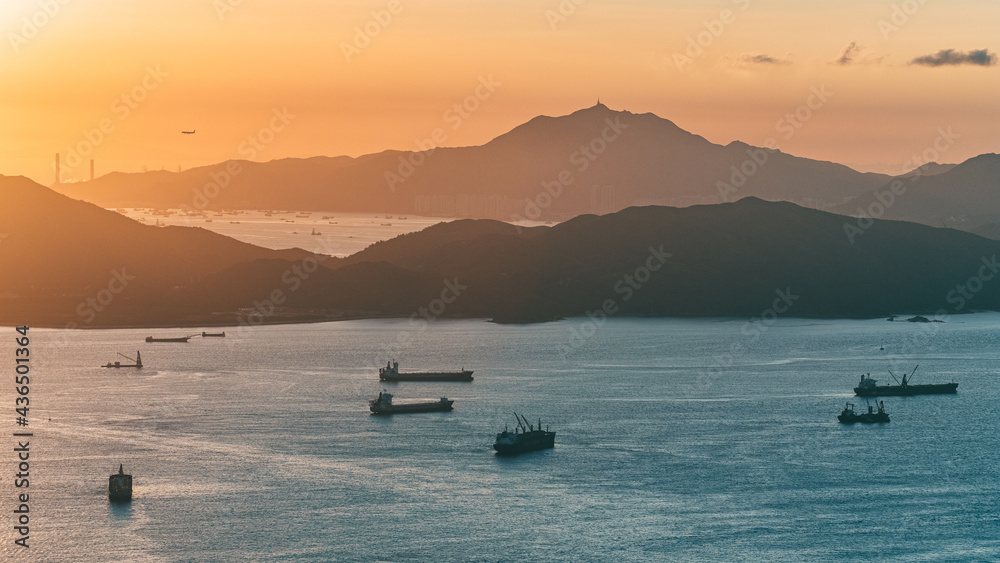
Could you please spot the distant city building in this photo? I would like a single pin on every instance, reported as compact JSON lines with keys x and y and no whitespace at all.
{"x":602,"y":199}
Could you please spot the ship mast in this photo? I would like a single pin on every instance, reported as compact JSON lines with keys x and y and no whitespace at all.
{"x":527,"y":424}
{"x":518,"y":419}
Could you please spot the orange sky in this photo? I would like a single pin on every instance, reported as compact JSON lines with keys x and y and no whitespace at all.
{"x":266,"y":79}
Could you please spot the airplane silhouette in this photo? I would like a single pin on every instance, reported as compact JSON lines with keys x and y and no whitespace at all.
{"x":189,"y":132}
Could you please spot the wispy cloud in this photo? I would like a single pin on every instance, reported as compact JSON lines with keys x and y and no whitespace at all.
{"x":951,"y":57}
{"x":743,"y":60}
{"x":856,"y":53}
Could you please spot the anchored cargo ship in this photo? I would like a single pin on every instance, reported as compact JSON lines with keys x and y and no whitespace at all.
{"x":524,"y":438}
{"x":391,"y":373}
{"x":868,"y":387}
{"x":177,"y":339}
{"x":848,"y":416}
{"x":384,"y":405}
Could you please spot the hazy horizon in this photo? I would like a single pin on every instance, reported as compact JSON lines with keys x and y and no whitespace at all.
{"x":121,"y":81}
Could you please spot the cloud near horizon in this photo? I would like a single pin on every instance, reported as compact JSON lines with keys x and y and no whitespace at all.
{"x":743,"y":60}
{"x":856,"y":53}
{"x":951,"y":57}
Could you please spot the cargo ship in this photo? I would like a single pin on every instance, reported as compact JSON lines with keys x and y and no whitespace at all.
{"x":848,"y":416}
{"x":118,"y":364}
{"x":120,"y":486}
{"x":177,"y":339}
{"x":524,"y":438}
{"x":391,"y":373}
{"x":868,"y":387}
{"x":384,"y":405}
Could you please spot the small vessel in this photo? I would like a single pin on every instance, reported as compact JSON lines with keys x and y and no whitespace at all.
{"x":177,"y":339}
{"x":868,"y":387}
{"x":118,"y":364}
{"x":848,"y":416}
{"x":315,"y":232}
{"x":391,"y":373}
{"x":524,"y":438}
{"x":384,"y":405}
{"x":120,"y":486}
{"x":213,"y":334}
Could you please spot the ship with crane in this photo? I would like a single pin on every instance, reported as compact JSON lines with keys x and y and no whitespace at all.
{"x":524,"y":438}
{"x":118,"y":364}
{"x":868,"y":387}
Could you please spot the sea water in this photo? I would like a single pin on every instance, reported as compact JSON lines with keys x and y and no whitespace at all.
{"x":710,"y":439}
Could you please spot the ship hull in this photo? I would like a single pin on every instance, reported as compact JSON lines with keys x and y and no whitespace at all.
{"x":181,"y":339}
{"x":524,"y":446}
{"x":901,"y":391}
{"x":120,"y":488}
{"x":465,"y":375}
{"x":868,"y":418}
{"x":436,"y":406}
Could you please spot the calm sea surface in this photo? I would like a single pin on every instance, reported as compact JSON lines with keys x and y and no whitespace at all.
{"x":676,"y":440}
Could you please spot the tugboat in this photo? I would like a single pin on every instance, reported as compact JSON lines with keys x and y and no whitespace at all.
{"x":118,"y":364}
{"x":384,"y":405}
{"x":527,"y":440}
{"x":213,"y":334}
{"x":120,"y":486}
{"x":848,"y":416}
{"x":868,"y":388}
{"x":391,"y":373}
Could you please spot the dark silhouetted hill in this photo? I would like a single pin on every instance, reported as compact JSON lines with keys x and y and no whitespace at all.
{"x":56,"y":252}
{"x":751,"y":258}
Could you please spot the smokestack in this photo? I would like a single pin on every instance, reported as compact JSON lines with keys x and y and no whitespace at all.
{"x":91,"y":170}
{"x":57,"y":168}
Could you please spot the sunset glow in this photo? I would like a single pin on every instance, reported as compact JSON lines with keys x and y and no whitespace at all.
{"x":360,"y":77}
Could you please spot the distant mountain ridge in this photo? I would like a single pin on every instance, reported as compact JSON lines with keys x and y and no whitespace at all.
{"x":595,"y":160}
{"x":964,"y":196}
